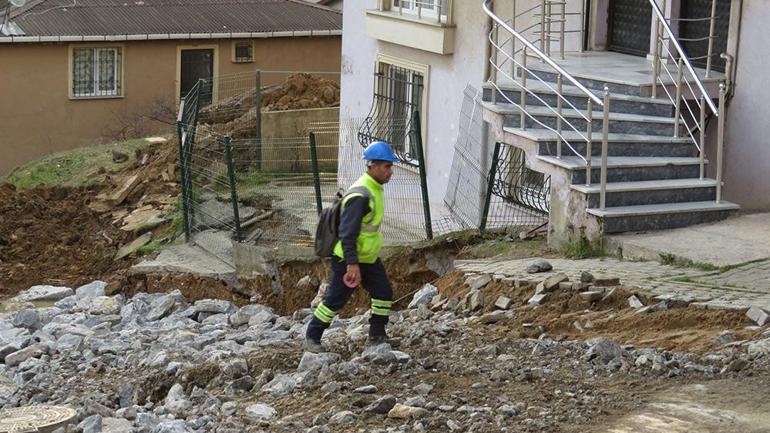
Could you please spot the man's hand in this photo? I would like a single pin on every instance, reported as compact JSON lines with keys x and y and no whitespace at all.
{"x":352,"y":277}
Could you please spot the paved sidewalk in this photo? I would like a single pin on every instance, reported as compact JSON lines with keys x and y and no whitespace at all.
{"x":739,"y":288}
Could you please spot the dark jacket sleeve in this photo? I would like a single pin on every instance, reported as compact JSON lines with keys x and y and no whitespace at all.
{"x":350,"y":226}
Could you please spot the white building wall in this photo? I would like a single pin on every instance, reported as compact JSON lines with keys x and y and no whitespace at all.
{"x":747,"y":132}
{"x":449,"y":75}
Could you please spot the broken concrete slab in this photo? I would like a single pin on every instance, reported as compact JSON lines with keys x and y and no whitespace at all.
{"x":44,"y":293}
{"x":592,"y":295}
{"x":553,"y":281}
{"x":503,"y":303}
{"x":758,"y":315}
{"x":634,"y":302}
{"x":144,"y":218}
{"x":133,"y":246}
{"x":606,"y":281}
{"x":476,"y":282}
{"x":121,"y":193}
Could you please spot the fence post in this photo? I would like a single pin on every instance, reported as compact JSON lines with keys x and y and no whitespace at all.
{"x":233,"y":187}
{"x":490,"y":185}
{"x":423,"y":178}
{"x":258,"y":119}
{"x":182,"y":169}
{"x":316,"y":176}
{"x":191,"y":137}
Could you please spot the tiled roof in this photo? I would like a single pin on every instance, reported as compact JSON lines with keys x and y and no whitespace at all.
{"x":153,"y":17}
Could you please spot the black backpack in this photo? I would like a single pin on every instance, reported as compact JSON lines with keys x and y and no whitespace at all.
{"x":327,"y":230}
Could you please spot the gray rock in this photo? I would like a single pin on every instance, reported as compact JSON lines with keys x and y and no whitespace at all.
{"x":496,"y":316}
{"x":758,"y":315}
{"x":175,"y":426}
{"x":116,"y":425}
{"x":453,"y":425}
{"x":476,"y":282}
{"x":261,"y":317}
{"x":382,"y":405}
{"x":68,"y":342}
{"x":634,"y":302}
{"x":176,"y":402}
{"x":537,"y":299}
{"x":603,"y":351}
{"x":261,"y":411}
{"x":308,"y":283}
{"x":503,"y":303}
{"x":586,"y":277}
{"x":591,"y":295}
{"x":216,"y":306}
{"x":760,"y":347}
{"x":234,"y":368}
{"x":91,"y":290}
{"x":27,"y":318}
{"x":508,"y":410}
{"x":417,"y":401}
{"x":539,"y":266}
{"x":476,"y":300}
{"x":736,"y":364}
{"x":160,"y":307}
{"x":44,"y":293}
{"x":284,"y":384}
{"x":423,"y":296}
{"x":92,"y":424}
{"x":423,"y":388}
{"x":379,"y":354}
{"x":316,"y":361}
{"x":366,"y":389}
{"x":400,"y":411}
{"x":16,"y":358}
{"x":343,"y":417}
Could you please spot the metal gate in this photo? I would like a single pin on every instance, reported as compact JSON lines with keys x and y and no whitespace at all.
{"x":629,"y":26}
{"x":694,"y":31}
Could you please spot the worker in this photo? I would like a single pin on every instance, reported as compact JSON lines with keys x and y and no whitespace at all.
{"x":355,"y":260}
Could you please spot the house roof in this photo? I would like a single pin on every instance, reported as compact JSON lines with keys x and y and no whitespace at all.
{"x":91,"y":19}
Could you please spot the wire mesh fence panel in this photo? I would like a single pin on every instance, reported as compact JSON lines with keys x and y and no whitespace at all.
{"x":213,"y":220}
{"x":518,"y":197}
{"x":405,"y":219}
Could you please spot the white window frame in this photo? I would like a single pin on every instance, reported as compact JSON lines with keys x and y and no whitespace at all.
{"x":249,"y":59}
{"x":411,"y":7}
{"x":117,"y":73}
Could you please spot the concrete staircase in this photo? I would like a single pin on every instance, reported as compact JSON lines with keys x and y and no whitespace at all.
{"x":653,"y":177}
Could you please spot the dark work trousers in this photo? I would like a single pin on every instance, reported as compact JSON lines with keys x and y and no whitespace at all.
{"x":373,"y":279}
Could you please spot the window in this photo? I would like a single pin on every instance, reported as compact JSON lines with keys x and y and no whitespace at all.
{"x":422,"y":8}
{"x":243,"y":52}
{"x":96,"y":72}
{"x":398,"y":93}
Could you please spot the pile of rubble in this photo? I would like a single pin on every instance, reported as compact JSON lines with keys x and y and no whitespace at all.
{"x":470,"y":353}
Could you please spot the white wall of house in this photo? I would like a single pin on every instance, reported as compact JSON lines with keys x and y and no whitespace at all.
{"x":747,"y":132}
{"x":449,"y":75}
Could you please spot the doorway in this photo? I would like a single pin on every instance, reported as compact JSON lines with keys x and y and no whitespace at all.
{"x":694,"y":31}
{"x":630,"y":22}
{"x":197,"y":64}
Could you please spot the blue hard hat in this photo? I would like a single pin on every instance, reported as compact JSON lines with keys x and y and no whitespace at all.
{"x":379,"y":151}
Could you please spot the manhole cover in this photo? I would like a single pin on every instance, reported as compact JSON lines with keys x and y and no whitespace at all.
{"x":34,"y":418}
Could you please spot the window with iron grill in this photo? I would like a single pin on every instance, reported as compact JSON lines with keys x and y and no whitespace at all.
{"x":422,"y":7}
{"x":244,"y":52}
{"x":96,"y":72}
{"x":398,"y":93}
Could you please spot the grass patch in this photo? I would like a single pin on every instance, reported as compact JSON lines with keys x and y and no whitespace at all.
{"x":581,"y":249}
{"x":74,"y":167}
{"x":670,"y":259}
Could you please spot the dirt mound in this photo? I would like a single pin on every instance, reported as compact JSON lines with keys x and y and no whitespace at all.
{"x":50,"y":236}
{"x":298,"y":92}
{"x":566,"y":314}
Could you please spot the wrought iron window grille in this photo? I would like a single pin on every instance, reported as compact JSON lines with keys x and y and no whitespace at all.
{"x":244,"y":52}
{"x":96,"y":72}
{"x":398,"y":93}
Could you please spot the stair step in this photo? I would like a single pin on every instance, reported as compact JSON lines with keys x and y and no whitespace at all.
{"x":661,"y":216}
{"x":649,"y":185}
{"x":620,"y":103}
{"x":544,"y":135}
{"x":650,"y":192}
{"x":618,"y":122}
{"x":629,"y":168}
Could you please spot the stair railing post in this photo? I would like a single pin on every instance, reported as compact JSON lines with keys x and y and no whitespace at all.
{"x":559,"y":84}
{"x":678,"y":97}
{"x":523,"y":91}
{"x":720,"y":139}
{"x":656,"y":60}
{"x":496,"y":43}
{"x":582,"y":23}
{"x":542,"y":25}
{"x":702,"y":129}
{"x":711,"y":37}
{"x":589,"y":132}
{"x":605,"y":137}
{"x":549,"y":16}
{"x":563,"y":23}
{"x":513,"y":42}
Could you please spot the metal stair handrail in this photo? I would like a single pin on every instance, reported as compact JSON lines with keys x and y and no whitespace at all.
{"x":539,"y":53}
{"x":561,"y":98}
{"x":682,"y":55}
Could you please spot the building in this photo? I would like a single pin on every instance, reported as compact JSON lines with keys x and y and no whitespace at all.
{"x":93,"y":71}
{"x":422,"y":54}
